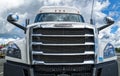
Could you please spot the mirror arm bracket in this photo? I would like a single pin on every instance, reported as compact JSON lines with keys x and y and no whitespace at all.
{"x":105,"y":26}
{"x":18,"y":25}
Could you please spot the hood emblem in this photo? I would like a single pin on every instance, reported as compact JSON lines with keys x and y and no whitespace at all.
{"x":63,"y":25}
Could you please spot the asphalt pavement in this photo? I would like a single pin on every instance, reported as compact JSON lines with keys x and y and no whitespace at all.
{"x":1,"y":66}
{"x":119,"y":64}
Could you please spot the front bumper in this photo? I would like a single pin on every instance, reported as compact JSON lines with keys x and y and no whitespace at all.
{"x":104,"y":69}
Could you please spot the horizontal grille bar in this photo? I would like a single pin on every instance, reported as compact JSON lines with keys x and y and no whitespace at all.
{"x":62,"y":54}
{"x":63,"y":59}
{"x":43,"y":63}
{"x":40,"y":43}
{"x":86,"y":35}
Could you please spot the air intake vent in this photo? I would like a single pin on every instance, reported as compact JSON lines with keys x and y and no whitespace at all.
{"x":70,"y":70}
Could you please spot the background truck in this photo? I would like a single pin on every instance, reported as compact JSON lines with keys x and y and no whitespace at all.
{"x":60,"y":43}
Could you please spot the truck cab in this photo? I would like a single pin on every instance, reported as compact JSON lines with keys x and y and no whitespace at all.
{"x":60,"y":43}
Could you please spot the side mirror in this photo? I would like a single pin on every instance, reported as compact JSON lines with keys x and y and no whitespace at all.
{"x":108,"y":21}
{"x":12,"y":18}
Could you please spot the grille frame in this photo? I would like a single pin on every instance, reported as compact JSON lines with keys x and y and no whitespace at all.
{"x":86,"y":35}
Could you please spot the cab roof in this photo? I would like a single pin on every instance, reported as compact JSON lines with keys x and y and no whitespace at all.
{"x":58,"y":9}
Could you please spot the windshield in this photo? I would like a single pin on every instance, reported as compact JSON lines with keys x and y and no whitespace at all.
{"x":61,"y":17}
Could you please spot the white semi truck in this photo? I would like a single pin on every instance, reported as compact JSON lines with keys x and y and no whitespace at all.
{"x":60,"y":43}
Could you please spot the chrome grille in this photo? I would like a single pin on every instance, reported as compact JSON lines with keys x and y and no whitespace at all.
{"x":62,"y":46}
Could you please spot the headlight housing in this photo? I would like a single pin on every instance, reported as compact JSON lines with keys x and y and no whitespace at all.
{"x":109,"y":51}
{"x":13,"y":50}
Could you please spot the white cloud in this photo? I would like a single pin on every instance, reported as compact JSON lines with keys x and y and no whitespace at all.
{"x":8,"y":4}
{"x":47,"y":2}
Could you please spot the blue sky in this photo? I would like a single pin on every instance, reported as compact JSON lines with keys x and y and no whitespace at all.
{"x":114,"y":29}
{"x":114,"y":7}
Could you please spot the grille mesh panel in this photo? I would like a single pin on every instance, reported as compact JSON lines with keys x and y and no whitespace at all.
{"x":60,"y":68}
{"x":84,"y":70}
{"x":63,"y":49}
{"x":63,"y":59}
{"x":62,"y":31}
{"x":61,"y":40}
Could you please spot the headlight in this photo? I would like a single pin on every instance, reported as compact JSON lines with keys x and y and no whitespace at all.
{"x":13,"y":51}
{"x":109,"y":51}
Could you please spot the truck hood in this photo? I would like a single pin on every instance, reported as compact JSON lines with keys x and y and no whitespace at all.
{"x":61,"y":25}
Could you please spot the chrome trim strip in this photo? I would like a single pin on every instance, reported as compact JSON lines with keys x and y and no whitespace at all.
{"x":43,"y":63}
{"x":40,"y":43}
{"x":62,"y":54}
{"x":86,"y":35}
